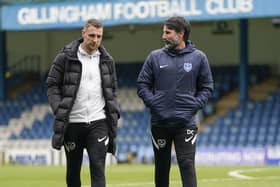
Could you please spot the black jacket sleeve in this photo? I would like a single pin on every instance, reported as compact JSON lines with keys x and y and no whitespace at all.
{"x":145,"y":82}
{"x":205,"y":85}
{"x":54,"y":82}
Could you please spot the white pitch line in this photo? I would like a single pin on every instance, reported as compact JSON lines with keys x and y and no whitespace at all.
{"x":237,"y":173}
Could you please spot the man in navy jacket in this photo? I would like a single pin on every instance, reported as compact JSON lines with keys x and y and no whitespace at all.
{"x":174,"y":83}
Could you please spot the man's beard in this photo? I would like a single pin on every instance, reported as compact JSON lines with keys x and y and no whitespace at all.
{"x":92,"y":47}
{"x":171,"y":43}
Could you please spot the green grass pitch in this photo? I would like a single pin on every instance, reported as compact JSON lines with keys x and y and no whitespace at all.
{"x":142,"y":176}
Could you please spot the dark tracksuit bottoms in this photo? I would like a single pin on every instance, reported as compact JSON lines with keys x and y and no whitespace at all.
{"x":184,"y":141}
{"x":94,"y":138}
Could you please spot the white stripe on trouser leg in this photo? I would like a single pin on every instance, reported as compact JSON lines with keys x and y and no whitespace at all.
{"x":154,"y":142}
{"x":194,"y":138}
{"x":106,"y":141}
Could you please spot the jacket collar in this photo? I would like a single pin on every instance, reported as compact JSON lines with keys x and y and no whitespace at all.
{"x":190,"y":47}
{"x":82,"y":52}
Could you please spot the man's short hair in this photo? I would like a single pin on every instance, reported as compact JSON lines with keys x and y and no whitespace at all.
{"x":179,"y":24}
{"x":93,"y":22}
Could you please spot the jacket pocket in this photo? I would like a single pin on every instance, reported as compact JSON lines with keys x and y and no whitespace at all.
{"x":163,"y":104}
{"x":186,"y":106}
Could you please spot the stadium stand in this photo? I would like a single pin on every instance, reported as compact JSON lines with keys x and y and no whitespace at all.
{"x":256,"y":123}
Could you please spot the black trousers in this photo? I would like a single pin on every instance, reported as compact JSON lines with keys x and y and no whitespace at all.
{"x":184,"y":142}
{"x":94,"y":138}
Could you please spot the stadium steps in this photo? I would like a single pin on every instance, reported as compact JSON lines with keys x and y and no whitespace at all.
{"x":261,"y":91}
{"x":28,"y":83}
{"x":26,"y":120}
{"x":229,"y":101}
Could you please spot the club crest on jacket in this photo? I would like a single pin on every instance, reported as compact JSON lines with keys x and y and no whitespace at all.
{"x":187,"y":66}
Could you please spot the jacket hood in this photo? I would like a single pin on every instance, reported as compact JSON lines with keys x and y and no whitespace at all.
{"x":72,"y":48}
{"x":190,"y":47}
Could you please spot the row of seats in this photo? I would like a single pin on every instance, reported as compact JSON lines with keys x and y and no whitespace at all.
{"x":24,"y":102}
{"x":39,"y":130}
{"x":225,"y":80}
{"x":224,"y":76}
{"x":242,"y":126}
{"x":252,"y":124}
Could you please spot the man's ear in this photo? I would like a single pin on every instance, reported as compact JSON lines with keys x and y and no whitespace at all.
{"x":83,"y":32}
{"x":181,"y":35}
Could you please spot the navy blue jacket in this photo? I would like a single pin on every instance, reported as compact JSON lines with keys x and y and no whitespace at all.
{"x":175,"y":84}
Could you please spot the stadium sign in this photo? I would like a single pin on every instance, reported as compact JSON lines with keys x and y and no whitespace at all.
{"x":73,"y":14}
{"x":231,"y":156}
{"x":28,"y":156}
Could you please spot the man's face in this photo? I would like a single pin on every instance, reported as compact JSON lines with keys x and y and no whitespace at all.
{"x":92,"y":38}
{"x":171,"y":38}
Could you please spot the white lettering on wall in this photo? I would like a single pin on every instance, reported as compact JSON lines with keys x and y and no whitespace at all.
{"x":214,"y":7}
{"x":23,"y":16}
{"x":126,"y":10}
{"x":64,"y":14}
{"x":150,"y":9}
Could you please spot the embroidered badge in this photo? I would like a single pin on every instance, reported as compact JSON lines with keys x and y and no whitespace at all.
{"x":161,"y":143}
{"x":70,"y":146}
{"x":187,"y":66}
